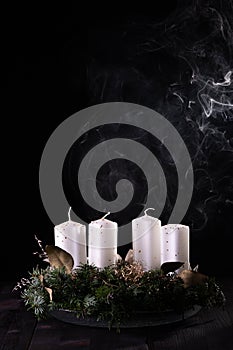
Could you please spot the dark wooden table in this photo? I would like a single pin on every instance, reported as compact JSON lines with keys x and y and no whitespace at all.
{"x":209,"y":329}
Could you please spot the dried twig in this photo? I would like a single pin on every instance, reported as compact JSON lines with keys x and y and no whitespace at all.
{"x":23,"y":282}
{"x":43,"y":255}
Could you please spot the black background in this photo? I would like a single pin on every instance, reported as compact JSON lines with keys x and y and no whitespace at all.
{"x":62,"y":59}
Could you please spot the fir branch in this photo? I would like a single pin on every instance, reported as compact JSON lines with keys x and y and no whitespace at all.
{"x":114,"y":293}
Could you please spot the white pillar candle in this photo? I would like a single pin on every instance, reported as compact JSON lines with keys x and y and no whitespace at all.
{"x":102,"y":242}
{"x":146,"y":232}
{"x":71,"y":236}
{"x":175,"y":244}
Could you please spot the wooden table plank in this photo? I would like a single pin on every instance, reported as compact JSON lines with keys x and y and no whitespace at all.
{"x":51,"y":334}
{"x":137,"y":347}
{"x":126,"y":339}
{"x":163,"y":341}
{"x":17,"y":325}
{"x":219,"y":321}
{"x":5,"y":322}
{"x":20,"y":332}
{"x":193,"y":329}
{"x":217,"y":329}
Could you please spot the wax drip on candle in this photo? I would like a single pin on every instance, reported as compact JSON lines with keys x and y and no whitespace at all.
{"x":145,"y":211}
{"x":69,"y":214}
{"x":105,"y":215}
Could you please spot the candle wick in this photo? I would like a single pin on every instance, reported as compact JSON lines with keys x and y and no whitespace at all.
{"x":145,"y":211}
{"x":69,"y":214}
{"x":105,"y":215}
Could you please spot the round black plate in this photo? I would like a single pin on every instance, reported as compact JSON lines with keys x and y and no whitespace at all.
{"x":140,"y":320}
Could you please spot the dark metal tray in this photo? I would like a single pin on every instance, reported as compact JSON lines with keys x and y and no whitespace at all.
{"x":141,"y":319}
